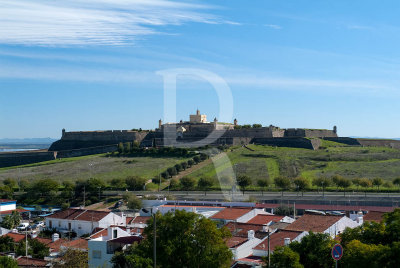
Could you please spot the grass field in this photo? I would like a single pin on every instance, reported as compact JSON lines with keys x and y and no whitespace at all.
{"x":257,"y":162}
{"x":270,"y":162}
{"x":99,"y":166}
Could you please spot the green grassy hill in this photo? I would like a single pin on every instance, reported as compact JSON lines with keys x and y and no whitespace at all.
{"x":333,"y":158}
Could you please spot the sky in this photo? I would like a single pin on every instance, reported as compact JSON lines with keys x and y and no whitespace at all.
{"x":95,"y":65}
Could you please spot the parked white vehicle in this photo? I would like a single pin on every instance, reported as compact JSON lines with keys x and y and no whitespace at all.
{"x":23,"y":226}
{"x":40,"y":223}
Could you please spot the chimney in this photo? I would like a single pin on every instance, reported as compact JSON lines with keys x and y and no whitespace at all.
{"x":250,"y":234}
{"x":265,"y":228}
{"x":55,"y":237}
{"x":286,"y":241}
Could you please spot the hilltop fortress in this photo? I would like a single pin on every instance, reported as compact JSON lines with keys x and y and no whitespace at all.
{"x":197,"y":129}
{"x":193,"y":133}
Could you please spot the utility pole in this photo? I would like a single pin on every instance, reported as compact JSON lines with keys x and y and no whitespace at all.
{"x":154,"y":241}
{"x":84,"y":195}
{"x":269,"y":249}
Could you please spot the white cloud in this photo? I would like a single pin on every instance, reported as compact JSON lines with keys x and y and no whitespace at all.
{"x":273,"y":26}
{"x":104,"y":22}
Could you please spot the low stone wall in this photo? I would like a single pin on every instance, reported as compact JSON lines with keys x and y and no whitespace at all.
{"x":87,"y":151}
{"x":24,"y":158}
{"x":312,"y":144}
{"x":379,"y":142}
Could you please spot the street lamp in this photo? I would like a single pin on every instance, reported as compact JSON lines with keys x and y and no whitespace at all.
{"x":155,"y":233}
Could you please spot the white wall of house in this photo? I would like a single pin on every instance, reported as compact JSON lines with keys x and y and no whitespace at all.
{"x":245,"y":249}
{"x":98,"y":255}
{"x":4,"y":206}
{"x":340,"y":225}
{"x":85,"y":227}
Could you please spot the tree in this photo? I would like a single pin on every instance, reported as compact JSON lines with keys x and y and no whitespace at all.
{"x":132,"y":201}
{"x":284,"y":211}
{"x":205,"y":183}
{"x":365,"y":183}
{"x":358,"y":254}
{"x":257,"y":126}
{"x":243,"y":181}
{"x":135,"y":183}
{"x":203,"y":157}
{"x":11,"y":221}
{"x":172,"y":171}
{"x":174,"y":183}
{"x":8,"y":262}
{"x":38,"y":249}
{"x":120,"y":148}
{"x":336,"y":180}
{"x":301,"y":184}
{"x":314,"y":250}
{"x":178,"y":167}
{"x":12,"y":183}
{"x":184,"y":165}
{"x":6,"y":192}
{"x":187,"y":183}
{"x":72,"y":258}
{"x":322,"y":182}
{"x":190,"y":162}
{"x":356,"y":182}
{"x":184,"y":239}
{"x":262,"y":183}
{"x":6,"y":244}
{"x":285,"y":257}
{"x":127,"y":148}
{"x":118,"y":183}
{"x":196,"y":159}
{"x":396,"y":181}
{"x":344,"y":183}
{"x":377,"y":182}
{"x":46,"y":188}
{"x":283,"y":183}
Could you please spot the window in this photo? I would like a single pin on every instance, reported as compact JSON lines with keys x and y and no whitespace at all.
{"x":69,"y":226}
{"x":115,"y":234}
{"x":96,"y":254}
{"x":59,"y":223}
{"x":50,"y":224}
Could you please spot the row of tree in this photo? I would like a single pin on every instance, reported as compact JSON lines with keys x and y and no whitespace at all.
{"x":369,"y":245}
{"x":172,"y":171}
{"x":133,"y":148}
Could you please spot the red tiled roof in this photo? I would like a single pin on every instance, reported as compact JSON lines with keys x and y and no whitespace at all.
{"x":235,"y":241}
{"x":332,"y":207}
{"x":101,"y":232}
{"x":7,"y":212}
{"x":277,"y":239}
{"x":375,"y":216}
{"x":129,"y":219}
{"x":141,"y":219}
{"x":16,"y":237}
{"x":79,"y":214}
{"x":265,"y":219}
{"x":31,"y":262}
{"x":7,"y":200}
{"x":79,"y":243}
{"x":252,"y":259}
{"x":315,"y":223}
{"x":241,"y":229}
{"x":231,"y":213}
{"x":54,"y":246}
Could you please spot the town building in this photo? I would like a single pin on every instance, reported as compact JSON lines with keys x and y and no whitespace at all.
{"x":82,"y":221}
{"x":237,"y":215}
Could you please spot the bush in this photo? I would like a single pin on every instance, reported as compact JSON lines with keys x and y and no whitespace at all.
{"x":135,"y":183}
{"x":184,"y":165}
{"x":172,"y":171}
{"x":190,"y":162}
{"x":196,"y":159}
{"x":178,"y":167}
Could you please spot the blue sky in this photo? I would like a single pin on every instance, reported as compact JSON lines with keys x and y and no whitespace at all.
{"x":83,"y":65}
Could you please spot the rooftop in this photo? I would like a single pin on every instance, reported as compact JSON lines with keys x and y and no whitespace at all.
{"x":241,"y":229}
{"x":277,"y":239}
{"x":141,"y":219}
{"x":376,"y":216}
{"x":79,"y":243}
{"x":265,"y":219}
{"x":7,"y":200}
{"x":315,"y":223}
{"x":16,"y":237}
{"x":31,"y":262}
{"x":235,"y":241}
{"x":79,"y":214}
{"x":231,"y":213}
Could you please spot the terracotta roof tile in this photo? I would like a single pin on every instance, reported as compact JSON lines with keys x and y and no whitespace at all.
{"x":7,"y":212}
{"x":79,"y":243}
{"x":235,"y":241}
{"x":31,"y":262}
{"x":141,"y":219}
{"x":16,"y":237}
{"x":79,"y":214}
{"x":99,"y":233}
{"x":231,"y":213}
{"x":315,"y":223}
{"x":241,"y":229}
{"x":375,"y":216}
{"x":129,"y":219}
{"x":277,"y":239}
{"x":265,"y":219}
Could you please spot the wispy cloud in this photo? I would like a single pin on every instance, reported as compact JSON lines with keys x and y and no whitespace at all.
{"x":104,"y":22}
{"x":359,"y":27}
{"x":273,"y":26}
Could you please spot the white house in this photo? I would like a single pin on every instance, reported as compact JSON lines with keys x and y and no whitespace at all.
{"x":332,"y":225}
{"x":83,"y":221}
{"x":237,"y":214}
{"x":7,"y":205}
{"x":102,"y":249}
{"x":243,"y":246}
